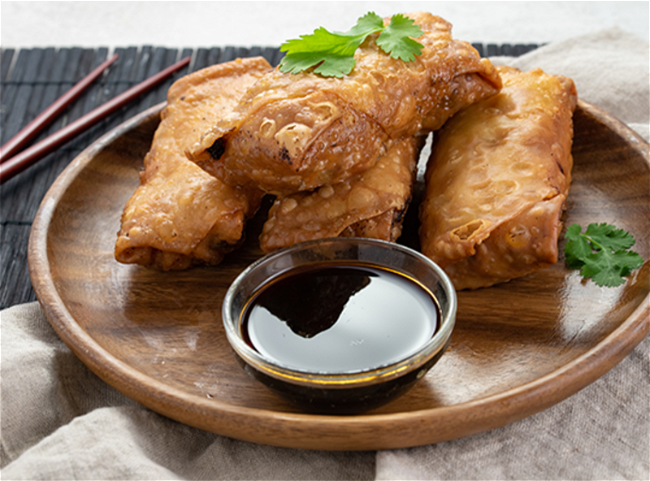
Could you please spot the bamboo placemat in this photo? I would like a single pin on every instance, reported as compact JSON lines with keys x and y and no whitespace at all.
{"x":31,"y":79}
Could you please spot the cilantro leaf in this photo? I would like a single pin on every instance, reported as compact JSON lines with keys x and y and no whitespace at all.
{"x":331,"y":54}
{"x":601,"y":253}
{"x":608,"y":268}
{"x":610,"y":237}
{"x":576,"y":248}
{"x":326,"y":65}
{"x":395,"y":38}
{"x":368,"y":24}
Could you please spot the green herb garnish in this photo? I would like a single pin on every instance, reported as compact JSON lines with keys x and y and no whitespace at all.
{"x":332,"y":54}
{"x":601,"y":253}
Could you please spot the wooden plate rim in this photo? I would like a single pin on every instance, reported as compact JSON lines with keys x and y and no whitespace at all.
{"x":401,"y":430}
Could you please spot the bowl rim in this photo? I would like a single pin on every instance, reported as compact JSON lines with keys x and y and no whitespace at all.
{"x":355,"y":378}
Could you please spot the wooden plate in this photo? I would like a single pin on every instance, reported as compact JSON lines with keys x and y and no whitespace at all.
{"x":157,"y":337}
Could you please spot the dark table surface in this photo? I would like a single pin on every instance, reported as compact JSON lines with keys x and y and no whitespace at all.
{"x":32,"y":79}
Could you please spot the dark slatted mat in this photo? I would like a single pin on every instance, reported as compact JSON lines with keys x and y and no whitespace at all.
{"x":506,"y":49}
{"x":32,"y":79}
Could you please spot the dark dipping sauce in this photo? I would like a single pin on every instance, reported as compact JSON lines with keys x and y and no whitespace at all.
{"x":340,"y":318}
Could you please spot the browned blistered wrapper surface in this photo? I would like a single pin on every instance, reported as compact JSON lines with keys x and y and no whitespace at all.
{"x":497,"y":180}
{"x":371,"y":204}
{"x":298,"y":132}
{"x":180,"y":215}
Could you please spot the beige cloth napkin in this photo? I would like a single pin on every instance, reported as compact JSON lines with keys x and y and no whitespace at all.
{"x":59,"y":421}
{"x":603,"y":431}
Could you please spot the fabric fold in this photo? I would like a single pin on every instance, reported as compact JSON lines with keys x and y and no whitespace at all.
{"x":59,"y":421}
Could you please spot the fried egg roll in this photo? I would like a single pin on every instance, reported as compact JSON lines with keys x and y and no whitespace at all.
{"x":295,"y":132}
{"x":179,"y":215}
{"x":497,"y":180}
{"x":371,"y":204}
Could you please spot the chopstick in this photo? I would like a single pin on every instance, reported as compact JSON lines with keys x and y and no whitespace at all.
{"x":14,"y":145}
{"x":16,"y":164}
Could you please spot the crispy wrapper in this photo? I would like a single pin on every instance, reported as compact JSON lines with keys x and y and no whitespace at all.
{"x":371,"y":204}
{"x":497,"y":180}
{"x":179,"y":215}
{"x":298,"y":132}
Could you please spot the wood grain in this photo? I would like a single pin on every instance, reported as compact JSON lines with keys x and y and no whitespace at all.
{"x":518,"y":348}
{"x":30,"y":80}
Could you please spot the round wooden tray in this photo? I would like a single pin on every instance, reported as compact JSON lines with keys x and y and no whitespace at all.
{"x":518,"y":348}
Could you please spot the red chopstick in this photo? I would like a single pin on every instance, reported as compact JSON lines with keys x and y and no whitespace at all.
{"x":18,"y":141}
{"x":16,"y":164}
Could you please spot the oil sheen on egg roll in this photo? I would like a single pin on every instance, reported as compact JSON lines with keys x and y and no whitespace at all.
{"x":371,"y":204}
{"x":294,"y":132}
{"x":497,"y":180}
{"x":179,"y":215}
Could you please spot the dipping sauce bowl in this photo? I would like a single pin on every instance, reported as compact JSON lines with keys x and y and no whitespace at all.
{"x":340,"y":325}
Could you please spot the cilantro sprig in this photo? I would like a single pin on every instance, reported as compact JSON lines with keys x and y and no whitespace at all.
{"x":332,"y":53}
{"x":601,"y":253}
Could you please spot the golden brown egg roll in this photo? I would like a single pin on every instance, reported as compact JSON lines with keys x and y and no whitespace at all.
{"x":294,"y":132}
{"x":371,"y":204}
{"x":179,"y":215}
{"x":497,"y":179}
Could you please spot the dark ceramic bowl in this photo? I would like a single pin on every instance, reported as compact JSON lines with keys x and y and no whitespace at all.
{"x":339,"y":387}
